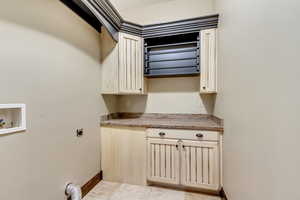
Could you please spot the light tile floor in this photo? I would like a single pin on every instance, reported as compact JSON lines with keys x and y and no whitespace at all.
{"x":116,"y":191}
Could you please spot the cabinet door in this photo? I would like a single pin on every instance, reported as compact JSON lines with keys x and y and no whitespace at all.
{"x":123,"y":155}
{"x":208,"y":74}
{"x":163,"y":161}
{"x":200,"y":165}
{"x":131,"y":66}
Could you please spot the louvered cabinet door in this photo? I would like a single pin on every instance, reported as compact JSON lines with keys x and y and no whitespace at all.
{"x":163,"y":161}
{"x":200,"y":165}
{"x":131,"y":66}
{"x":208,"y":74}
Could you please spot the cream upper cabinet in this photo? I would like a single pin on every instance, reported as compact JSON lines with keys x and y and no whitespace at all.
{"x":208,"y":74}
{"x":163,"y":161}
{"x":131,"y":65}
{"x":200,"y":165}
{"x":122,"y":64}
{"x":109,"y":50}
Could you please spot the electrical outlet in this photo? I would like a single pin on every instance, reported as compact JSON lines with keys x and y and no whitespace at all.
{"x":79,"y":132}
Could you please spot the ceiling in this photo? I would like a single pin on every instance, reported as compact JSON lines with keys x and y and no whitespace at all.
{"x":126,"y":4}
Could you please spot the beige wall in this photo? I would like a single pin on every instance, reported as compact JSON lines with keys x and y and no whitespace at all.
{"x":167,"y":95}
{"x":49,"y":61}
{"x":259,"y":98}
{"x":158,"y":11}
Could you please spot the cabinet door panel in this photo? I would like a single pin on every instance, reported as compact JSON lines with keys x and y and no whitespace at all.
{"x":123,"y":155}
{"x":131,"y":64}
{"x":208,"y":74}
{"x":163,"y":161}
{"x":200,"y":165}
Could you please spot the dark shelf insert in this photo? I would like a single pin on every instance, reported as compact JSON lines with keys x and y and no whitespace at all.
{"x":177,"y":55}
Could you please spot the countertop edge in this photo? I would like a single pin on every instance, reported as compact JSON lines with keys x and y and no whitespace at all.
{"x":109,"y":124}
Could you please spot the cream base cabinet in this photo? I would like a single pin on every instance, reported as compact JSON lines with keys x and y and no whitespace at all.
{"x":200,"y":165}
{"x":185,"y":158}
{"x":122,"y":64}
{"x":123,"y":155}
{"x":163,"y":161}
{"x":208,"y":73}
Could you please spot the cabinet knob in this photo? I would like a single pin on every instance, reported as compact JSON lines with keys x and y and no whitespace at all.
{"x":162,"y":134}
{"x":140,"y":89}
{"x":199,"y":135}
{"x":204,"y":87}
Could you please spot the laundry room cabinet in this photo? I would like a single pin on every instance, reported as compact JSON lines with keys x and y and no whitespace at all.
{"x":122,"y":64}
{"x":185,"y":158}
{"x":200,"y":164}
{"x":131,"y":65}
{"x":208,"y":58}
{"x":126,"y":64}
{"x":163,"y":161}
{"x":123,"y":155}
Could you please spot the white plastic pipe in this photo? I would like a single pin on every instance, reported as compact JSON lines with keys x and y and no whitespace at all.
{"x":73,"y":191}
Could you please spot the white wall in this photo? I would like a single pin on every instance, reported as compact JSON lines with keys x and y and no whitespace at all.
{"x":49,"y":60}
{"x":167,"y":95}
{"x":259,"y":99}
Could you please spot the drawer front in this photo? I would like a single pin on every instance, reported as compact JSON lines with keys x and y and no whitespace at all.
{"x":183,"y":134}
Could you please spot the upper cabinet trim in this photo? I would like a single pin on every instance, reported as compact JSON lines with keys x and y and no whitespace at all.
{"x":106,"y":14}
{"x":132,"y":28}
{"x":180,"y":26}
{"x":109,"y":12}
{"x":114,"y":23}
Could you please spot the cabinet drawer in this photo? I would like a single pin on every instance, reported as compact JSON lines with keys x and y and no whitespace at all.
{"x":183,"y":134}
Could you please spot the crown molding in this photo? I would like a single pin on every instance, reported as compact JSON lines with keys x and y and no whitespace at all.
{"x":114,"y":23}
{"x":132,"y":28}
{"x":106,"y":14}
{"x":180,"y":26}
{"x":109,"y":11}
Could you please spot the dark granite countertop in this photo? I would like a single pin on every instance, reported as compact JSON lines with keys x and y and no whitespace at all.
{"x":168,"y":121}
